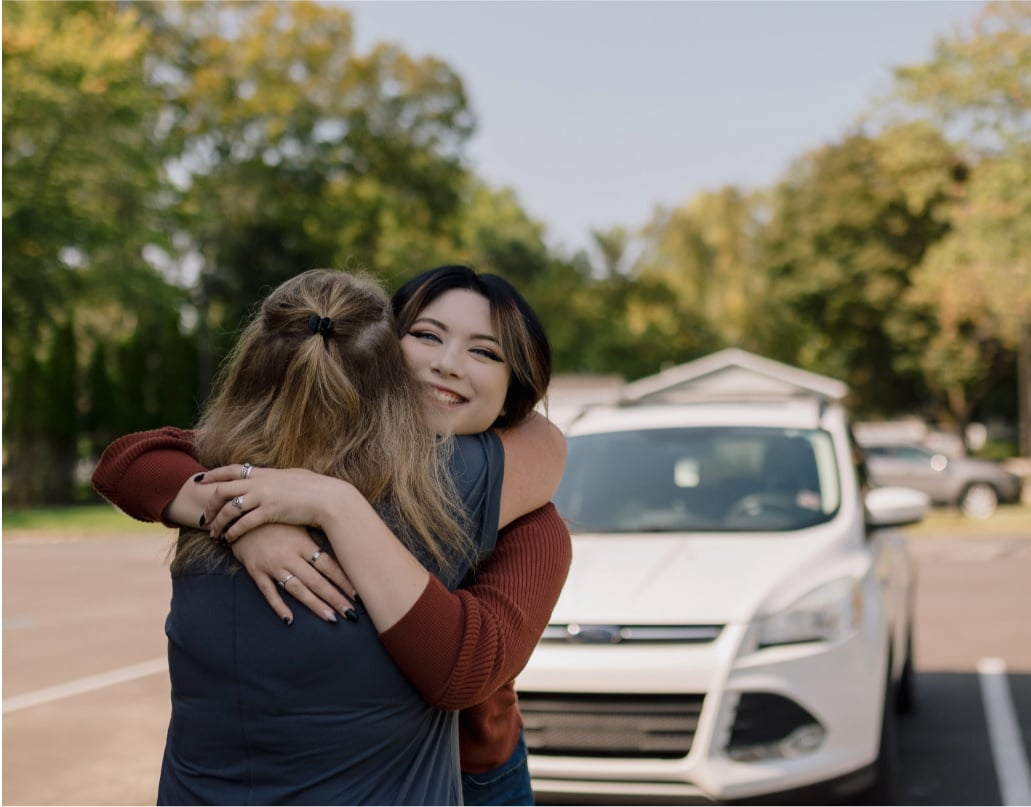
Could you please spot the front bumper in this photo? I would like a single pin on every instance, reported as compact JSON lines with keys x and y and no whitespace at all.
{"x":841,"y":685}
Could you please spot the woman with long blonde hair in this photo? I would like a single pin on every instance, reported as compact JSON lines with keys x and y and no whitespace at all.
{"x":318,"y":713}
{"x":482,"y":357}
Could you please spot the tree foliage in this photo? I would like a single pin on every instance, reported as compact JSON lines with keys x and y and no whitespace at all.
{"x":80,"y":161}
{"x":167,"y":163}
{"x":705,"y":252}
{"x":976,"y":282}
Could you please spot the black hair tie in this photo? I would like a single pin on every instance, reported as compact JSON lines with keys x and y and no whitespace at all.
{"x":321,"y":325}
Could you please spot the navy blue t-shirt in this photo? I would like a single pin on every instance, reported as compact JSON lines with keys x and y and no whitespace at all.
{"x":313,"y":712}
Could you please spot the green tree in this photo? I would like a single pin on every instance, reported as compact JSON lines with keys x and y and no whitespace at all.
{"x":80,"y":163}
{"x":847,"y":227}
{"x":83,"y":159}
{"x":24,"y":431}
{"x":297,"y":151}
{"x":99,"y":404}
{"x":60,"y":407}
{"x":705,"y":251}
{"x":977,"y":281}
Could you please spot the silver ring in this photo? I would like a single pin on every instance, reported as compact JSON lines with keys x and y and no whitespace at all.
{"x":315,"y":556}
{"x":285,"y":580}
{"x":246,"y":472}
{"x":238,"y":503}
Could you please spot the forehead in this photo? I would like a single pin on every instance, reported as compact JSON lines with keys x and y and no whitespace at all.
{"x":461,"y":310}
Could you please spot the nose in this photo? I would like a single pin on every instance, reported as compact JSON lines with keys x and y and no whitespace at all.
{"x":446,"y":363}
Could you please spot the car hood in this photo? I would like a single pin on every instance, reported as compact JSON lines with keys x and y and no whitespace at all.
{"x":647,"y":579}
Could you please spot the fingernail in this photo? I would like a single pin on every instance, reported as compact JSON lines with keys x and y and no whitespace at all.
{"x":351,"y":614}
{"x":203,"y":518}
{"x":198,"y":478}
{"x":356,"y":598}
{"x":287,"y":620}
{"x":330,"y":616}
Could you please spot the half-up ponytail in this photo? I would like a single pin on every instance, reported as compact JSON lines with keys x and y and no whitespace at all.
{"x":336,"y":399}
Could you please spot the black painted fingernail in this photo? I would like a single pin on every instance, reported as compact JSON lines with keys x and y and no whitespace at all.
{"x":287,"y":620}
{"x":351,"y":614}
{"x":203,"y":518}
{"x":357,"y":599}
{"x":198,"y":478}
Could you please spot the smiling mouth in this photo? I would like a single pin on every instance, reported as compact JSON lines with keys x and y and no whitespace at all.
{"x":444,"y":396}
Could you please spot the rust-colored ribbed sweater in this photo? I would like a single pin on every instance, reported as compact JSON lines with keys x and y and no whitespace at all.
{"x":461,"y":649}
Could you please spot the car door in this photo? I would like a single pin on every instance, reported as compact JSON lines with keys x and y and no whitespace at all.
{"x":910,"y":466}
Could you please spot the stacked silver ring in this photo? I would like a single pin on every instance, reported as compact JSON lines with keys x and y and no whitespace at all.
{"x":246,"y":472}
{"x":285,"y":580}
{"x":315,"y":556}
{"x":237,"y":502}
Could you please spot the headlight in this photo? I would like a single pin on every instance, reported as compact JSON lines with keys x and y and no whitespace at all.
{"x":825,"y":614}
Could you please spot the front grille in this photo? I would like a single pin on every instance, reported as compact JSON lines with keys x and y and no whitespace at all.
{"x":603,"y":725}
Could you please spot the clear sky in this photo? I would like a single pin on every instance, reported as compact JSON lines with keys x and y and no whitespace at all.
{"x":597,"y":112}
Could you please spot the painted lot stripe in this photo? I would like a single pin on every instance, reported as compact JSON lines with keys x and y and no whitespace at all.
{"x":1008,"y":750}
{"x":87,"y":684}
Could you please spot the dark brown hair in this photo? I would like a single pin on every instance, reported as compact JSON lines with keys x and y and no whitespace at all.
{"x":520,"y":332}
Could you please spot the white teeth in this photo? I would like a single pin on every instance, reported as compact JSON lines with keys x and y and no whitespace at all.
{"x":445,"y":397}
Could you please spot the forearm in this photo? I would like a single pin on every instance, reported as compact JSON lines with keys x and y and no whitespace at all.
{"x":535,"y":458}
{"x":459,"y":647}
{"x":143,"y":472}
{"x":387,"y":576}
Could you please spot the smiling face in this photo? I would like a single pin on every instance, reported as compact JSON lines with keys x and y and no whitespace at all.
{"x":452,"y":348}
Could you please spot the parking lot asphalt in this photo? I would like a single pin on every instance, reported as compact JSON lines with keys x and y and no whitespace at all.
{"x":85,"y":691}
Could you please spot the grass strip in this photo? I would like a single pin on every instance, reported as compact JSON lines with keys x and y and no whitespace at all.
{"x":89,"y":519}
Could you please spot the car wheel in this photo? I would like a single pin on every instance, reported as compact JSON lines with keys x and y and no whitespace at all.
{"x":979,"y":500}
{"x":905,"y":694}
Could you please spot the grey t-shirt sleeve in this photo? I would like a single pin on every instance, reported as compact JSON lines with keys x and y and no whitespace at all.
{"x":478,"y":468}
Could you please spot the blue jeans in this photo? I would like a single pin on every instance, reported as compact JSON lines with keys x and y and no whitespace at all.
{"x":509,"y":783}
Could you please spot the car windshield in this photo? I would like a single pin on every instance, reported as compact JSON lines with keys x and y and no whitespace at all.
{"x":726,"y":479}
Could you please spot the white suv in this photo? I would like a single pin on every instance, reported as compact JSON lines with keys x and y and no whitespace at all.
{"x":738,"y":618}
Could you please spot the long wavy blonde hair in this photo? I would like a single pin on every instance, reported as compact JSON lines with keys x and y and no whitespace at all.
{"x":339,"y":402}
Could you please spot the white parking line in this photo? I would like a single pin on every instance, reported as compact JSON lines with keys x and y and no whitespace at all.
{"x":1008,"y":751}
{"x":87,"y":684}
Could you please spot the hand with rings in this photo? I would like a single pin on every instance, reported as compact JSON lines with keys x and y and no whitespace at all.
{"x":273,"y":496}
{"x":271,"y":551}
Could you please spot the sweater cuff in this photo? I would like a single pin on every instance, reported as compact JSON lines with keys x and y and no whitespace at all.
{"x":168,"y":472}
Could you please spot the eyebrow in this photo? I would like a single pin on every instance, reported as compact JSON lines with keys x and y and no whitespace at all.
{"x":484,"y":336}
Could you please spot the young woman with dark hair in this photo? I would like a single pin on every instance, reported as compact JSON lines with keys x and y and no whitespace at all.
{"x":483,"y":361}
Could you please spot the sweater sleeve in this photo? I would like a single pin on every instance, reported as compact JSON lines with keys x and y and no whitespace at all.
{"x":142,"y":472}
{"x":458,"y":647}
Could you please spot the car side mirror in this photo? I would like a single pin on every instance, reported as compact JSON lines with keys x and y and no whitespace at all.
{"x":939,"y":462}
{"x":895,"y":506}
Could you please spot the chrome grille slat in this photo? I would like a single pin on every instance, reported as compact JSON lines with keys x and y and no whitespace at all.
{"x":584,"y":724}
{"x":624,"y":634}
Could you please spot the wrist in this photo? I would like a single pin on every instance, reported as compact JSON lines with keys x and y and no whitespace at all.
{"x":187,"y":506}
{"x":338,"y":505}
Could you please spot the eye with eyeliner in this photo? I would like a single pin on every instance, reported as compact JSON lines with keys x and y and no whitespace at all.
{"x":426,"y":336}
{"x":487,"y":353}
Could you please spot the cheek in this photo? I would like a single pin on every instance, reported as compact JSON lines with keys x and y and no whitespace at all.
{"x":415,"y":357}
{"x":499,"y":386}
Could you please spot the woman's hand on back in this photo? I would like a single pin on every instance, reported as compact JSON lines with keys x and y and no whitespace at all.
{"x":276,"y":552}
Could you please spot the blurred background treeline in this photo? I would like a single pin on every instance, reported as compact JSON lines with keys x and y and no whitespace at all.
{"x":166,"y":164}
